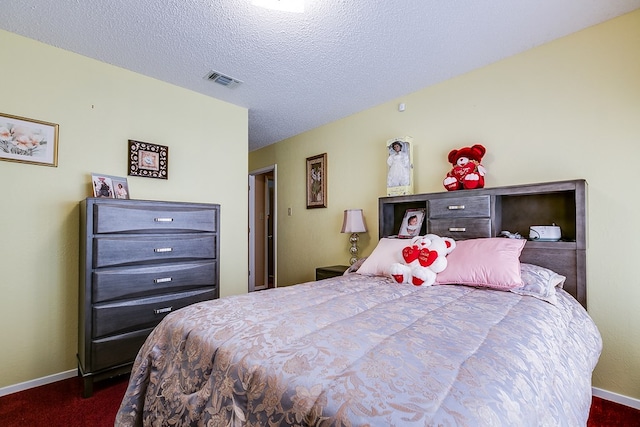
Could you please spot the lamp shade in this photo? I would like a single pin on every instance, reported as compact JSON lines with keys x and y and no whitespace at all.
{"x":353,"y":221}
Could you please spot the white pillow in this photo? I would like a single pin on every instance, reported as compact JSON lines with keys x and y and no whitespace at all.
{"x":539,"y":282}
{"x":387,"y":252}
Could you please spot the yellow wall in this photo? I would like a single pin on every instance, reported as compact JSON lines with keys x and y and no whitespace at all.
{"x":569,"y":109}
{"x":98,"y":107}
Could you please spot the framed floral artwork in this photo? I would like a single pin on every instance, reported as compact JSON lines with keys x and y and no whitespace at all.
{"x":317,"y":181}
{"x":148,"y":160}
{"x":26,"y":140}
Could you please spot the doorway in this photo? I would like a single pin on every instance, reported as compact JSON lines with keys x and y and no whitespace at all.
{"x":262,"y":229}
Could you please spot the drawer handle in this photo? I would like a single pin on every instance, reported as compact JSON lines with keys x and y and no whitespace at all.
{"x":460,"y":229}
{"x":455,"y":207}
{"x":162,"y":310}
{"x":163,"y":219}
{"x":162,"y":280}
{"x":159,"y":250}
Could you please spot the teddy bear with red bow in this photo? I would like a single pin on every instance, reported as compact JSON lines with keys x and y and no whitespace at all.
{"x":467,"y":172}
{"x":423,"y":259}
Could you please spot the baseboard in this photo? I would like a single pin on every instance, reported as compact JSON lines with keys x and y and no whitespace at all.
{"x":615,"y":397}
{"x":37,"y":382}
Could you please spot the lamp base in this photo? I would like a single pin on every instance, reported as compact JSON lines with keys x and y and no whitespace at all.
{"x":353,"y":250}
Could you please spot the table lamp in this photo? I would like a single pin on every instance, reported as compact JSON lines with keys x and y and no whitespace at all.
{"x":353,"y":223}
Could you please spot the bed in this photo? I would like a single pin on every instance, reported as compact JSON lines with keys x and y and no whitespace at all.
{"x":363,"y":350}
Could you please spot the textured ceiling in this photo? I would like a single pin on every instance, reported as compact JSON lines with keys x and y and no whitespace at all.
{"x":301,"y":71}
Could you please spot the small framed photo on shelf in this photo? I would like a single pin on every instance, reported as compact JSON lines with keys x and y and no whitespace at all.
{"x":26,"y":140}
{"x":411,"y":223}
{"x":148,"y":160}
{"x":109,"y":187}
{"x":317,"y":181}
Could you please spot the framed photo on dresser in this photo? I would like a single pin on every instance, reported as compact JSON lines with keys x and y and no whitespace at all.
{"x":109,"y":187}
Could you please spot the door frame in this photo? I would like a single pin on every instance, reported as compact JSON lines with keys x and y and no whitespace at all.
{"x":252,"y":226}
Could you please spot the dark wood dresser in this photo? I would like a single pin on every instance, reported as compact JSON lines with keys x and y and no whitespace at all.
{"x":468,"y":214}
{"x":139,"y":261}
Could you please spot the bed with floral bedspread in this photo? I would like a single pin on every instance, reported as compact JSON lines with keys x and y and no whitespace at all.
{"x":361,"y":350}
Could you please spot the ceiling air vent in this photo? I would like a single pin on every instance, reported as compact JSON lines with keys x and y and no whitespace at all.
{"x":223,"y":80}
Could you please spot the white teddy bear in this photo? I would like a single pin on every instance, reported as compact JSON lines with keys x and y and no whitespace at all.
{"x":424,"y":258}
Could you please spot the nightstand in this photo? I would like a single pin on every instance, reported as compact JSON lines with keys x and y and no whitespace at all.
{"x":331,"y":271}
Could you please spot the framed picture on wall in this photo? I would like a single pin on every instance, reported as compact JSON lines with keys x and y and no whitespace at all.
{"x":148,"y":160}
{"x":26,"y":140}
{"x":317,"y":181}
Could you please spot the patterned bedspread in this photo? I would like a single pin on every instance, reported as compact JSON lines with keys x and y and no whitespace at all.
{"x":363,"y":351}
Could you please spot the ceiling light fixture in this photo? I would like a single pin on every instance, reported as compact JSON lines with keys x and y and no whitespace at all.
{"x":284,"y":5}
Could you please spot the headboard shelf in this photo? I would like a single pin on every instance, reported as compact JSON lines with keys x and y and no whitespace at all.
{"x":488,"y":211}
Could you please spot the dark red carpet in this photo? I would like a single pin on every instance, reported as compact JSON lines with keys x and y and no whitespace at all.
{"x":605,"y":413}
{"x":61,"y":404}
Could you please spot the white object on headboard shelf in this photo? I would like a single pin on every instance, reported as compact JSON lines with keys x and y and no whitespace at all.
{"x":548,"y":233}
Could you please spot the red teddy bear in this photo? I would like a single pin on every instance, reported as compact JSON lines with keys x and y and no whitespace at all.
{"x":467,"y":172}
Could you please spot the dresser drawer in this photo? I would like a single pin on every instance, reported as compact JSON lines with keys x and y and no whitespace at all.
{"x":141,"y":313}
{"x":462,"y":207}
{"x":142,"y":218}
{"x":135,"y":282}
{"x":460,"y":229}
{"x":118,"y":349}
{"x":111,"y":251}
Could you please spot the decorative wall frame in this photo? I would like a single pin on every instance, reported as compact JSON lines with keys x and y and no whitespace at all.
{"x":148,"y":160}
{"x":317,"y":181}
{"x":26,"y":140}
{"x":110,"y":187}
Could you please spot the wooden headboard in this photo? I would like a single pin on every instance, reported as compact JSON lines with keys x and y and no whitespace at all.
{"x":468,"y":214}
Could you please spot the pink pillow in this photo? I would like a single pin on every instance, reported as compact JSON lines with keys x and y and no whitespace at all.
{"x":387,"y":252}
{"x":491,"y":263}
